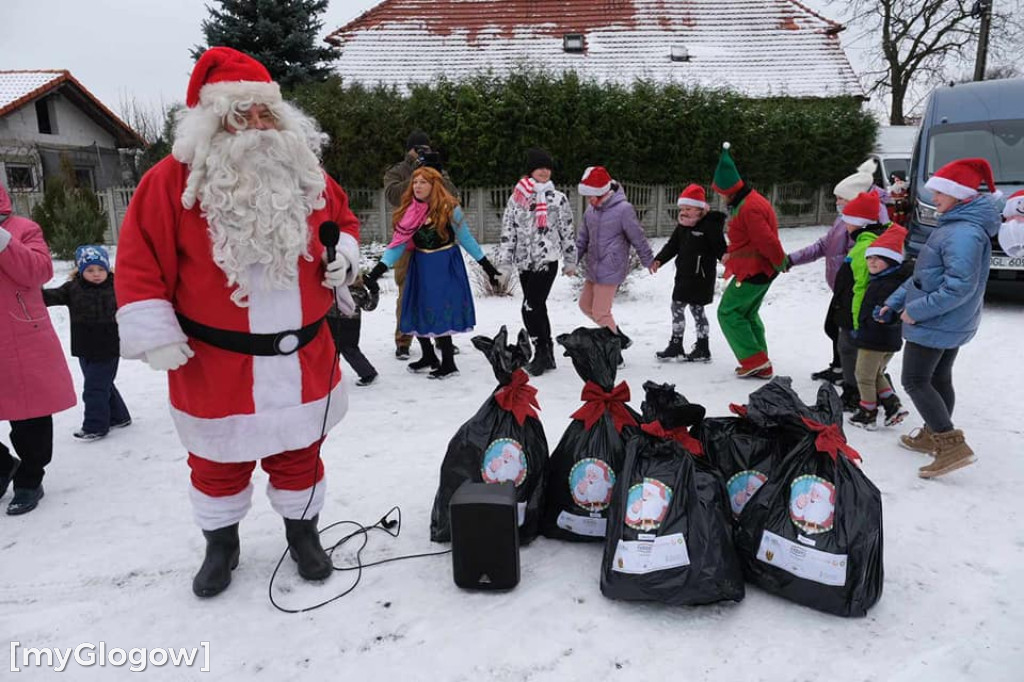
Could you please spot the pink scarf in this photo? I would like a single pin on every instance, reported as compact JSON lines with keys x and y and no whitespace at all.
{"x":525,"y":189}
{"x":409,"y":222}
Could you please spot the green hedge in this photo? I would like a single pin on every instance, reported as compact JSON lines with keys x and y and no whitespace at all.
{"x":645,"y":133}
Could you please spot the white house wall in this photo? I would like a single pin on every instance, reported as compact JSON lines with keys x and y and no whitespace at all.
{"x":74,"y":128}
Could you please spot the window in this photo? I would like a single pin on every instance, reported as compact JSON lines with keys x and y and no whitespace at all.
{"x":1001,"y":143}
{"x":46,"y":117}
{"x":84,"y":178}
{"x":20,"y":177}
{"x":573,"y":42}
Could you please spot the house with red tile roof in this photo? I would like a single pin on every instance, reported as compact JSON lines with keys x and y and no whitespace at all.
{"x":760,"y":48}
{"x":46,"y":115}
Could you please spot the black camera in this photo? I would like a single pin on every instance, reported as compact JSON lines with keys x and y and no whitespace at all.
{"x":425,"y":156}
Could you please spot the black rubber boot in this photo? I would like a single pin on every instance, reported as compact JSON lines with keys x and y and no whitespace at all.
{"x":447,"y":368}
{"x":429,"y":359}
{"x":700,"y":351}
{"x":626,"y":341}
{"x":214,"y":575}
{"x":543,"y":357}
{"x":673,"y":351}
{"x":305,"y":548}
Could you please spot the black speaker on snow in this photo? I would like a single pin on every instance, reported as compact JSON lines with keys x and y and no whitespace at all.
{"x":485,"y":536}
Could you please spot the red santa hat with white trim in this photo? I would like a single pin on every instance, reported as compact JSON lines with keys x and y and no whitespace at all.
{"x":225,"y":72}
{"x":961,"y":178}
{"x":862,"y":210}
{"x":1014,"y":205}
{"x":889,"y":244}
{"x":693,"y":195}
{"x":595,"y":182}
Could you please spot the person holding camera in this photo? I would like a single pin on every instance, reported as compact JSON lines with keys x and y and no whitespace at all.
{"x":396,"y":182}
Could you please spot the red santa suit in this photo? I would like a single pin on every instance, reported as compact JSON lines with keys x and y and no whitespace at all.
{"x":231,"y":408}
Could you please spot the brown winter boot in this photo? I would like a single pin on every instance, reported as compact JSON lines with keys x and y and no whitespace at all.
{"x":951,"y":453}
{"x":919,"y":440}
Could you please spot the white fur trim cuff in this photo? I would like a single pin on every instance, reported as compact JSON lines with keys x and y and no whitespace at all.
{"x":854,"y":220}
{"x":145,"y":325}
{"x":258,"y":92}
{"x":246,"y":437}
{"x":692,"y":202}
{"x":5,"y":239}
{"x":291,"y":503}
{"x":588,"y":191}
{"x":348,"y":248}
{"x":947,"y":186}
{"x":882,"y":251}
{"x":212,"y":513}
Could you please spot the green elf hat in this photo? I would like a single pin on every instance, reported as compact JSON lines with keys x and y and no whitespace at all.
{"x":727,"y":178}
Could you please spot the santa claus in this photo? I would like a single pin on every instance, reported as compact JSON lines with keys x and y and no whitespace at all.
{"x":506,"y":467}
{"x":223,"y":284}
{"x":648,"y":509}
{"x":594,"y":490}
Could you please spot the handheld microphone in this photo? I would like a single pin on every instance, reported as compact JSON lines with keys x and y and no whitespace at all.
{"x":329,"y":235}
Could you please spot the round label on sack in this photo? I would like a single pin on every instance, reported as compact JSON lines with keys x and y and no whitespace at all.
{"x":591,"y":482}
{"x":742,"y":487}
{"x":812,"y":504}
{"x":647,"y":504}
{"x":504,"y":462}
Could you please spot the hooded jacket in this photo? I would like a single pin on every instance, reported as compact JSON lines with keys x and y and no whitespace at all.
{"x":603,"y":243}
{"x":945,"y":295}
{"x":697,"y":250}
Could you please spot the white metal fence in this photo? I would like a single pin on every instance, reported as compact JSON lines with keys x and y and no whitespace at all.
{"x":795,"y":204}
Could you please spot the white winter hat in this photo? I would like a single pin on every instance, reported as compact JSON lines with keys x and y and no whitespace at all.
{"x":861,"y":181}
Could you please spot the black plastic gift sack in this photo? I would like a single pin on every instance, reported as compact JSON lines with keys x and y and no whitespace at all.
{"x":669,"y":530}
{"x":813,"y":532}
{"x":746,"y":448}
{"x":583,"y":468}
{"x":503,"y":442}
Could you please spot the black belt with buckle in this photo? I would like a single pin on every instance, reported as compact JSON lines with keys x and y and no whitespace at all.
{"x":282,"y":343}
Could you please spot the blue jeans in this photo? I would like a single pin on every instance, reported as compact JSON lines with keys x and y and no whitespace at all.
{"x":103,"y":404}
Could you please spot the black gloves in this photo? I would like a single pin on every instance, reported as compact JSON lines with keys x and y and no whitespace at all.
{"x":363,"y":297}
{"x":492,"y":272}
{"x":370,"y":280}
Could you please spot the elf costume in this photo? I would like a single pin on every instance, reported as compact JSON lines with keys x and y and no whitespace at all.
{"x":753,"y":258}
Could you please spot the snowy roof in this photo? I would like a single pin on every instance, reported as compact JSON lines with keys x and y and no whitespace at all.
{"x":757,"y":47}
{"x":18,"y":88}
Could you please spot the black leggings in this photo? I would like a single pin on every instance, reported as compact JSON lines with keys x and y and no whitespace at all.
{"x":536,"y":287}
{"x":33,"y":441}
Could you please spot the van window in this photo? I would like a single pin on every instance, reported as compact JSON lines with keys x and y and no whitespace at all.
{"x":1001,"y":143}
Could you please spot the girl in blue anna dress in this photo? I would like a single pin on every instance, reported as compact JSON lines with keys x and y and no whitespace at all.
{"x":438,"y":301}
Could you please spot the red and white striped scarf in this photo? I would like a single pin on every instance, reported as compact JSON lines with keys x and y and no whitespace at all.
{"x":525,"y":190}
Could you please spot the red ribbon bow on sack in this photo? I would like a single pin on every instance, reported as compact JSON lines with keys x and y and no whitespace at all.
{"x":831,"y":440}
{"x":597,"y":402}
{"x":740,"y":410}
{"x":518,"y":397}
{"x":679,"y":434}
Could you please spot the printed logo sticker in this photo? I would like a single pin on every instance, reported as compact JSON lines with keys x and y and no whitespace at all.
{"x":647,"y":504}
{"x":812,"y":504}
{"x":742,"y":487}
{"x":504,"y":462}
{"x":591,"y":482}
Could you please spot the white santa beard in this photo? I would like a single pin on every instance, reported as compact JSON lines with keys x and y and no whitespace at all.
{"x":258,"y":189}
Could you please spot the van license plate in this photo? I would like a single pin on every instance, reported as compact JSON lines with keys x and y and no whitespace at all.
{"x":1007,"y":263}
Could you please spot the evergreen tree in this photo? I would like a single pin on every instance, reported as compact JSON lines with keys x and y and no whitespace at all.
{"x":69,"y":215}
{"x":282,"y":34}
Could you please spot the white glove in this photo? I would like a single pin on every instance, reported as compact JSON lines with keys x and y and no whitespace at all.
{"x":340,"y":272}
{"x":169,"y":357}
{"x":346,"y":305}
{"x":569,"y":271}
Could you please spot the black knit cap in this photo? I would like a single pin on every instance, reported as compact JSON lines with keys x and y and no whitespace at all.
{"x":538,"y":158}
{"x":417,"y":138}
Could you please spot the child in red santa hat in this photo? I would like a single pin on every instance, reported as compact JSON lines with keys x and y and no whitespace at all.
{"x":697,"y":243}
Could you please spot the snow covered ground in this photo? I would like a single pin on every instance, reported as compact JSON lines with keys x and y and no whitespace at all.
{"x":109,"y":554}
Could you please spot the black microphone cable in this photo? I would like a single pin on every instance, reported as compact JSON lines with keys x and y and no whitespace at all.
{"x":329,"y":236}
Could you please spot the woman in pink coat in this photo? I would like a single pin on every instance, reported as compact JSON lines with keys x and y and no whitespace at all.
{"x":33,"y":372}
